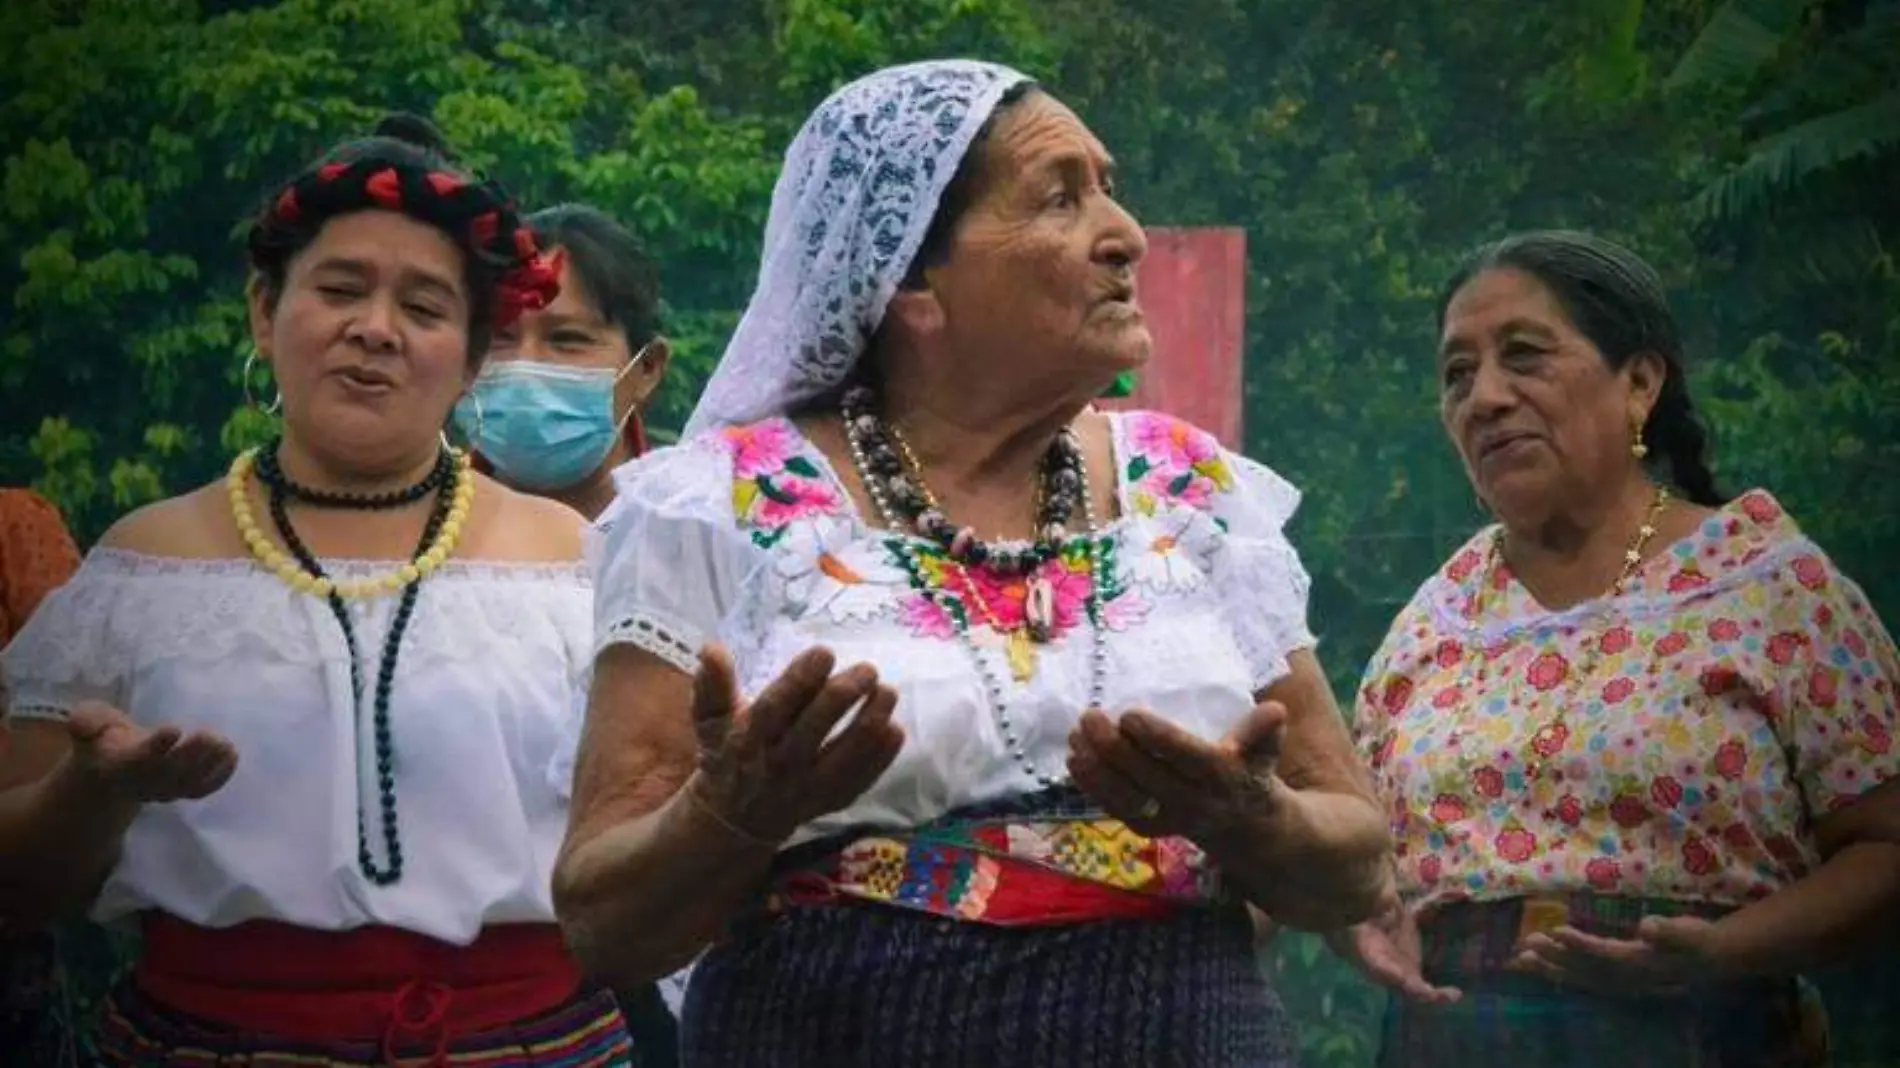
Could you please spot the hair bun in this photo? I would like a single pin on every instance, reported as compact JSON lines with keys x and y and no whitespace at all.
{"x":415,"y":130}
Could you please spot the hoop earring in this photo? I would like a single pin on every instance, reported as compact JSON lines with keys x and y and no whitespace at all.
{"x":244,"y":379}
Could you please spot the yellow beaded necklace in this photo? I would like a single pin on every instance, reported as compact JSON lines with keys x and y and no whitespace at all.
{"x":277,"y":562}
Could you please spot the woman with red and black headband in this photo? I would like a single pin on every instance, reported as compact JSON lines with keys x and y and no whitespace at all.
{"x":308,"y":717}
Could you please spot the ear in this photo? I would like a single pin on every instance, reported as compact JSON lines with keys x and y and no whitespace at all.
{"x":652,"y":367}
{"x":917,"y":312}
{"x":1645,"y":373}
{"x":262,"y":315}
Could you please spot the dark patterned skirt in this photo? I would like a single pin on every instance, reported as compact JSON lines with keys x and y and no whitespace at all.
{"x":860,"y":986}
{"x":1506,"y":1018}
{"x":586,"y":1033}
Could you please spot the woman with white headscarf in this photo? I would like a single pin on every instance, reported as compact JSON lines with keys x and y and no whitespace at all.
{"x":959,"y":719}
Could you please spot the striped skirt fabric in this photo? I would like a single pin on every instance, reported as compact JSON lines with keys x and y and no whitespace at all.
{"x":587,"y":1033}
{"x":1507,"y":1018}
{"x":864,"y":986}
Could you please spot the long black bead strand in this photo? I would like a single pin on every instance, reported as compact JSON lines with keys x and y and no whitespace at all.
{"x":385,"y":676}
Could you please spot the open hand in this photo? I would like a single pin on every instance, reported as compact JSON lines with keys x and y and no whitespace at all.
{"x":770,"y":766}
{"x":1163,"y":781}
{"x":146,"y":765}
{"x":1388,"y":949}
{"x":1666,"y":956}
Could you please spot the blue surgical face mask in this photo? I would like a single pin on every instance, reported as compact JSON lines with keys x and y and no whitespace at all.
{"x":543,"y":427}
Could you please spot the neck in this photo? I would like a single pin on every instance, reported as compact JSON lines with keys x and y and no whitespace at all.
{"x":592,"y":495}
{"x":1577,"y":552}
{"x":314,"y":470}
{"x":967,"y":445}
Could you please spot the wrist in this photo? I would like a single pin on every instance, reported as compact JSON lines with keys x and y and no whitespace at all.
{"x":710,"y":815}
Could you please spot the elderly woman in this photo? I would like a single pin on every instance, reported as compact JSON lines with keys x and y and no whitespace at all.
{"x":958,"y":719}
{"x":557,"y":408}
{"x":1637,"y":738}
{"x":302,"y":722}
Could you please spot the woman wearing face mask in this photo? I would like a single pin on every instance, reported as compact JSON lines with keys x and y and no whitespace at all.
{"x":558,"y":407}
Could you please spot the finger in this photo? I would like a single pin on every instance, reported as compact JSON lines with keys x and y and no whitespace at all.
{"x":1609,"y":949}
{"x":715,"y":694}
{"x":1258,"y":737}
{"x":1113,"y":791}
{"x":771,"y":713}
{"x":1173,"y":748}
{"x":89,"y":719}
{"x":806,"y":732}
{"x":1177,"y":794}
{"x":851,"y":762}
{"x":154,"y":747}
{"x":199,"y":756}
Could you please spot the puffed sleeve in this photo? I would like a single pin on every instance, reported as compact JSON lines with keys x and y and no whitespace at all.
{"x":73,"y":648}
{"x":1262,"y":584}
{"x":1837,"y":694}
{"x":668,"y":557}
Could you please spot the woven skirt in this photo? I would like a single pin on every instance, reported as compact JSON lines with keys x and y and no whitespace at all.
{"x":1506,"y":1018}
{"x":586,"y":1033}
{"x":862,"y":986}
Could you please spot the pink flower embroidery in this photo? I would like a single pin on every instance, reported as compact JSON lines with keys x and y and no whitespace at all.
{"x":1169,"y":444}
{"x":762,"y":448}
{"x":925,"y":617}
{"x":793,"y":498}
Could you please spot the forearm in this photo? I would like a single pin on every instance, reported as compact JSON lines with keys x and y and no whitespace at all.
{"x":641,"y":900}
{"x":59,"y":838}
{"x":1817,"y":920}
{"x":1317,"y":862}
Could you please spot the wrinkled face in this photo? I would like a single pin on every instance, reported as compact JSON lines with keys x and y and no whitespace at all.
{"x":1041,"y":268}
{"x":369,"y":339}
{"x":1533,"y":408}
{"x":574,"y":332}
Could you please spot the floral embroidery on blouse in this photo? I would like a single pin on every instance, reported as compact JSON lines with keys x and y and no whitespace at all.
{"x":1172,"y":461}
{"x":782,"y":493}
{"x":1741,"y":687}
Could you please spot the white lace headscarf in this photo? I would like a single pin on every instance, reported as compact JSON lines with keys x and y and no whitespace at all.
{"x":858,"y":191}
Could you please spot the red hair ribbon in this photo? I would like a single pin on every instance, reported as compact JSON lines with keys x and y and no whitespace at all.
{"x":529,"y":287}
{"x":385,"y":188}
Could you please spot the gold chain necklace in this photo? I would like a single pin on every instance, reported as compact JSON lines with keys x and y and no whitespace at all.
{"x":1550,"y":736}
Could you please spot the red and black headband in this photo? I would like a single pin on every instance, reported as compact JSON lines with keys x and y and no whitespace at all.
{"x":479,"y":214}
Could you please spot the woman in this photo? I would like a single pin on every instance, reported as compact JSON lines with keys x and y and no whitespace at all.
{"x":557,"y":408}
{"x":830,"y":724}
{"x":307,"y":716}
{"x":37,"y":555}
{"x":1637,"y":737}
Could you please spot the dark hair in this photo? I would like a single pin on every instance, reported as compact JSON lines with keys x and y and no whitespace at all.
{"x":406,"y":165}
{"x":1616,"y":300}
{"x":960,"y":193}
{"x":609,"y":264}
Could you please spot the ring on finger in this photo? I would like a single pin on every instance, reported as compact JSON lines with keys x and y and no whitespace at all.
{"x":1149,"y":809}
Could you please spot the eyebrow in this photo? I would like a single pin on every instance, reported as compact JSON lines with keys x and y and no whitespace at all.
{"x":1509,"y":327}
{"x":411,"y":275}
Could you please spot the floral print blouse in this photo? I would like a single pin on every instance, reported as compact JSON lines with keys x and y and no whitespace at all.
{"x":1739,"y":688}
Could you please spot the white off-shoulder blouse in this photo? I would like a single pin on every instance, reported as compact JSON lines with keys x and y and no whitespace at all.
{"x":747,"y":537}
{"x":487,"y":694}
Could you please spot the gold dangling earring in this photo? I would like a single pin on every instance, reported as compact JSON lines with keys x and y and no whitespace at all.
{"x":1637,"y":448}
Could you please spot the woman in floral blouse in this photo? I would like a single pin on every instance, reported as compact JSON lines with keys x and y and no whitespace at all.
{"x":1637,"y":737}
{"x":924,"y":797}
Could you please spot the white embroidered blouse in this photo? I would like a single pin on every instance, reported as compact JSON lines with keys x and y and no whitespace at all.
{"x":746,"y":536}
{"x":486,"y":693}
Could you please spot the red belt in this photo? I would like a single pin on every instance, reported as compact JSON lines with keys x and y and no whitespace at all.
{"x":373,"y":982}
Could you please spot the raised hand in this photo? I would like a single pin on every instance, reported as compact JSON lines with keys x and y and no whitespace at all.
{"x":1161,"y":780}
{"x":146,"y":766}
{"x":1388,"y":949}
{"x":768,"y":767}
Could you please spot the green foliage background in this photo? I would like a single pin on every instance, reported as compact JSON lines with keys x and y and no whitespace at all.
{"x":1749,"y":149}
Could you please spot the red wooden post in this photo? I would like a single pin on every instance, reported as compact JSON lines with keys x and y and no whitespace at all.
{"x":1193,"y":289}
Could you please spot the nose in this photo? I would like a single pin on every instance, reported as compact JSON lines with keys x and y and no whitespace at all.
{"x":375,"y":328}
{"x":1121,"y":243}
{"x":1491,"y":392}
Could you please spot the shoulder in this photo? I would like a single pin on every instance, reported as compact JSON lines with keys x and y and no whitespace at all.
{"x":522,"y":528}
{"x":193,"y":526}
{"x":1167,"y":462}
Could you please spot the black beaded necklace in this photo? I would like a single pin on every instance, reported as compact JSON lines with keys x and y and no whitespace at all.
{"x":897,"y":486}
{"x":272,"y":476}
{"x":446,"y":474}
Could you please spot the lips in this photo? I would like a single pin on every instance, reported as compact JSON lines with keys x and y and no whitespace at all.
{"x":366,"y":378}
{"x":1491,"y":444}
